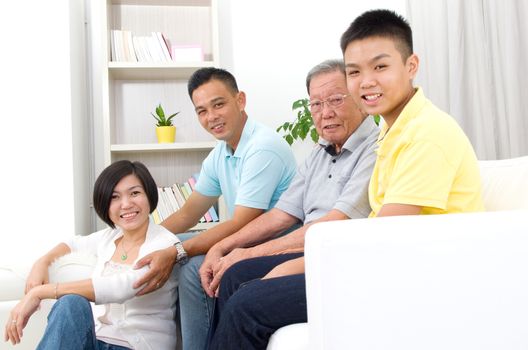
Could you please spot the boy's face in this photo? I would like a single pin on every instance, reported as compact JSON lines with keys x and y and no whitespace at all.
{"x":220,"y":111}
{"x":378,"y":79}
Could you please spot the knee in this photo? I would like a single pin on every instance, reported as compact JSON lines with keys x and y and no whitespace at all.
{"x":71,"y":304}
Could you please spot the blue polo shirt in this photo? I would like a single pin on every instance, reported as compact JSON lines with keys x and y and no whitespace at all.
{"x":255,"y":175}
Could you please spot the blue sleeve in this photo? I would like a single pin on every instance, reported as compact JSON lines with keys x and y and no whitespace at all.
{"x":264,"y":173}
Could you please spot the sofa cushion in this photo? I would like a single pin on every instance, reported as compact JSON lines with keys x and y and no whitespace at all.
{"x":504,"y":183}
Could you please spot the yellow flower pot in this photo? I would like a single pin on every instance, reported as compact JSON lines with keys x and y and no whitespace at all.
{"x":166,"y":134}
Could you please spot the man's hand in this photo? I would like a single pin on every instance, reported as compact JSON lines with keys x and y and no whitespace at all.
{"x":161,"y":263}
{"x":223,"y":263}
{"x":206,"y":270}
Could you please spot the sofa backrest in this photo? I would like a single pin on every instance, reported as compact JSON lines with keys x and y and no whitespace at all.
{"x":505,"y":183}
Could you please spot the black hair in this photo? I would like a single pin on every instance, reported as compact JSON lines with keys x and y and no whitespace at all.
{"x":205,"y":75}
{"x":328,"y":66}
{"x":110,"y":177}
{"x":380,"y":23}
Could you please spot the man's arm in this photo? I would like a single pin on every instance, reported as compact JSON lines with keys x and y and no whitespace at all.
{"x":395,"y":209}
{"x":162,"y":261}
{"x":290,"y":243}
{"x":194,"y":208}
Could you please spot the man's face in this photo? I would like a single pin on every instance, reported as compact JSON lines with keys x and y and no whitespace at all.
{"x":378,"y":79}
{"x":219,"y":111}
{"x":334,"y":124}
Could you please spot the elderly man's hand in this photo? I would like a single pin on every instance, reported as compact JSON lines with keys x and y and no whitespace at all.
{"x":213,"y":256}
{"x":161,"y":263}
{"x":225,"y":263}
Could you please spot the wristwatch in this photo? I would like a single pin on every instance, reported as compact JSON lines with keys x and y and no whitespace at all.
{"x":181,"y":258}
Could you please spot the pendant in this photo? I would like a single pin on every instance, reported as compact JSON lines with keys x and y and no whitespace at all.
{"x":124,"y":256}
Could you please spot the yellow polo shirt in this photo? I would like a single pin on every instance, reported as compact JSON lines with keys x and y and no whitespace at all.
{"x":425,"y":159}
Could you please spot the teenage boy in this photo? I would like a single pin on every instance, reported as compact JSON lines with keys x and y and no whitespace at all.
{"x":250,"y":166}
{"x":425,"y":163}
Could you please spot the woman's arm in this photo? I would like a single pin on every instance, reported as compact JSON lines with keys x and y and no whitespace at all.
{"x":39,"y":272}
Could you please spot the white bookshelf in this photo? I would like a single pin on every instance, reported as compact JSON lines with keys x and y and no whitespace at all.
{"x":130,"y":91}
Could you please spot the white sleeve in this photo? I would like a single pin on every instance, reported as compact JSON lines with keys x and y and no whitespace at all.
{"x":87,"y":244}
{"x":117,"y":288}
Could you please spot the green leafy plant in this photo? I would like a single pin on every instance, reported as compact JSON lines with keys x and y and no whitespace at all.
{"x":302,"y":125}
{"x":160,"y":117}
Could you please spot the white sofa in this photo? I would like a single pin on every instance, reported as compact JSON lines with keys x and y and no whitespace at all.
{"x":333,"y":296}
{"x":422,"y":282}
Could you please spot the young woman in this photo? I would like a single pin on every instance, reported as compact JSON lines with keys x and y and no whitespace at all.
{"x":124,"y":195}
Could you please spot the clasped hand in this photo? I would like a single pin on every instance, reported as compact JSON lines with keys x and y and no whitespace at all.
{"x":215,"y":265}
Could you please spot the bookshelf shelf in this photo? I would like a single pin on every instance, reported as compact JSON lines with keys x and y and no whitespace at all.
{"x":163,"y":147}
{"x":155,"y":70}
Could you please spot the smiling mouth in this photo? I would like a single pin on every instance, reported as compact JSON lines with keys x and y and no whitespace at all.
{"x":217,"y":127}
{"x":129,"y":215}
{"x":331,"y":126}
{"x":371,"y":97}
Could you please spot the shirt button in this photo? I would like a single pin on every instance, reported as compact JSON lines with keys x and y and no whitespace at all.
{"x":330,"y":176}
{"x":333,"y":160}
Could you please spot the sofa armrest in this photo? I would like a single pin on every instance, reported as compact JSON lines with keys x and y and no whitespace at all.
{"x":419,"y":282}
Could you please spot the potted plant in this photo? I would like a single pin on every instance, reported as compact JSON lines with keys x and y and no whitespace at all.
{"x":165,"y":131}
{"x":303,"y":124}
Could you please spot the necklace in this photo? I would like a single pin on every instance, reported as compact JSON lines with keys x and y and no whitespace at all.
{"x":124,"y":255}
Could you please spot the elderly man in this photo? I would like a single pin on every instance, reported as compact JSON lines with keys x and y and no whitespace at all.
{"x":330,"y":185}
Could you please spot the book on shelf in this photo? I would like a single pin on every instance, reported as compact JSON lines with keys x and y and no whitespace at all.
{"x":127,"y":47}
{"x":172,"y":198}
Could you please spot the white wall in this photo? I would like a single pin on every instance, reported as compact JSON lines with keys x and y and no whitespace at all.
{"x":36,"y":130}
{"x":271,"y":45}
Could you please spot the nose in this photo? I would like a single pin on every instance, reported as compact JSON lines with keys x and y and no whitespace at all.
{"x":327,"y":111}
{"x":126,"y":202}
{"x":367,"y":82}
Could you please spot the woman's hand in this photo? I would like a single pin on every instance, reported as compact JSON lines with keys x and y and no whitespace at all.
{"x":20,"y":315}
{"x":37,"y":276}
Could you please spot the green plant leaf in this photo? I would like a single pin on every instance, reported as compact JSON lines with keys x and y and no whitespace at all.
{"x":314,"y":135}
{"x":377,"y":119}
{"x":289,"y":139}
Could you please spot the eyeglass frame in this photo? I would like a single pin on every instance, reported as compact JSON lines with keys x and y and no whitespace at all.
{"x":327,"y":101}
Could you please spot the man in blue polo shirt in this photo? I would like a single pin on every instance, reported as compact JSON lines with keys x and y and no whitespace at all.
{"x":251,"y":166}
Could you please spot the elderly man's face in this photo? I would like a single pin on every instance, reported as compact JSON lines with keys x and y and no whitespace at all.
{"x":334,"y":123}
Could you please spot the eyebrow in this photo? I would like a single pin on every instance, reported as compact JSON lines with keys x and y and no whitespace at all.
{"x":129,"y":189}
{"x":372,"y":60}
{"x":212,"y":102}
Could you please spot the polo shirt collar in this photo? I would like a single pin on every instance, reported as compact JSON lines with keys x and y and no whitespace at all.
{"x":249,"y":127}
{"x":354,"y":140}
{"x":409,"y":112}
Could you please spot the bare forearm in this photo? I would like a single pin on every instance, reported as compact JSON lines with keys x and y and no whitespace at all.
{"x":56,"y":290}
{"x":179,"y":222}
{"x":294,"y":241}
{"x":59,"y":250}
{"x":261,"y":229}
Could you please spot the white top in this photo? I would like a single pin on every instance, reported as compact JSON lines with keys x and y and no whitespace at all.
{"x":148,"y":322}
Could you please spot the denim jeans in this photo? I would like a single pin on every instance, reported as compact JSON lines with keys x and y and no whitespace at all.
{"x":71,"y":326}
{"x":249,"y":310}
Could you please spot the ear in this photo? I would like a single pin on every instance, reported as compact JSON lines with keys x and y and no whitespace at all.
{"x":241,"y":100}
{"x":412,"y":64}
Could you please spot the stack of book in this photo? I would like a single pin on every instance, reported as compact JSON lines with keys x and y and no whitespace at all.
{"x":172,"y":198}
{"x":126,"y":47}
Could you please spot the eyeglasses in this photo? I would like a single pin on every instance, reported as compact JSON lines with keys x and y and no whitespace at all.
{"x":332,"y":101}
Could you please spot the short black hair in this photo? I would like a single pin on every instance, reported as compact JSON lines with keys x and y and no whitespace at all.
{"x":381,"y":23}
{"x":110,"y":177}
{"x":205,"y":75}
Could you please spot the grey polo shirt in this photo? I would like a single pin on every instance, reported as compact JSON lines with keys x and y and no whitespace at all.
{"x":325,"y":181}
